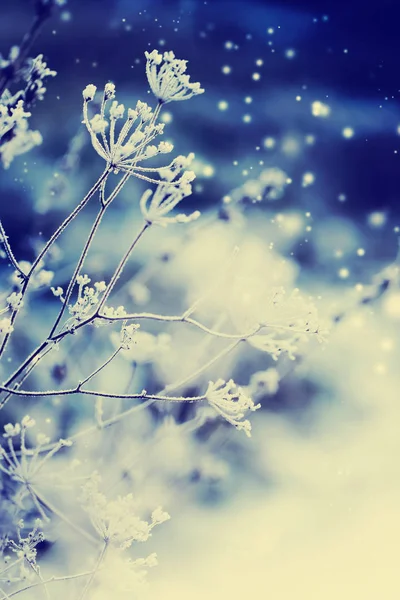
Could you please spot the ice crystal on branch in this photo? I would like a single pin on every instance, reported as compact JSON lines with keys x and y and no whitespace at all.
{"x":167,"y":78}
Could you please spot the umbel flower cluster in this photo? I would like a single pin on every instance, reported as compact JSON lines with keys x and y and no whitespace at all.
{"x":167,"y":79}
{"x":128,"y":148}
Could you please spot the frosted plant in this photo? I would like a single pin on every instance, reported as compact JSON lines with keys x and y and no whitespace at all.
{"x":41,"y":278}
{"x":15,"y":136}
{"x":123,"y":138}
{"x":88,"y":297}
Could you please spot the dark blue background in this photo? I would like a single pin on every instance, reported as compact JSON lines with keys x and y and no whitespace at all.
{"x":105,"y":40}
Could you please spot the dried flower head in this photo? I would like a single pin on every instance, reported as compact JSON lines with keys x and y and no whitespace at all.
{"x":167,"y":78}
{"x":231,"y":403}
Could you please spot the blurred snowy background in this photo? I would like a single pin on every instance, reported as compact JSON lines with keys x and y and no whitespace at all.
{"x":297,"y":149}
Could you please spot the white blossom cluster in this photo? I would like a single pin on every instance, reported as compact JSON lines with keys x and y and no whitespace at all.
{"x":123,"y":151}
{"x":116,"y":521}
{"x":287,"y":321}
{"x":15,"y":136}
{"x":231,"y":403}
{"x":88,"y":298}
{"x":231,"y":312}
{"x":127,"y":149}
{"x":167,"y":78}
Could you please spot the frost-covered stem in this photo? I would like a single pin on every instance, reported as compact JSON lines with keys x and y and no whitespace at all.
{"x":95,"y":570}
{"x":48,"y":245}
{"x":78,"y":267}
{"x":78,"y":390}
{"x":11,"y":565}
{"x":96,"y":224}
{"x":102,"y":366}
{"x":166,"y":318}
{"x":38,"y":573}
{"x":34,"y":357}
{"x":127,"y":413}
{"x":62,"y":516}
{"x":117,"y":189}
{"x":48,"y":456}
{"x":102,"y":191}
{"x":183,"y":319}
{"x":70,"y":218}
{"x":120,"y":268}
{"x":9,"y":252}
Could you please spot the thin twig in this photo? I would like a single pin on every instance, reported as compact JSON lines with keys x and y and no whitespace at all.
{"x":50,"y":580}
{"x":118,"y":271}
{"x":9,"y":252}
{"x":95,"y":570}
{"x":78,"y":390}
{"x":48,"y":245}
